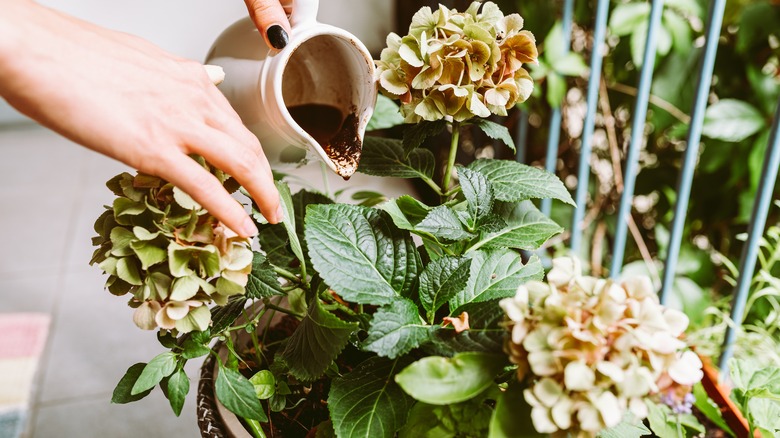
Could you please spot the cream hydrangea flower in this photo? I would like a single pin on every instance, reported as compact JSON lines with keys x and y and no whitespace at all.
{"x":591,"y":349}
{"x":458,"y":64}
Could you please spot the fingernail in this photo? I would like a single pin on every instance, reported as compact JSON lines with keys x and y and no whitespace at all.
{"x":248,"y":228}
{"x":279,"y":213}
{"x":277,"y":37}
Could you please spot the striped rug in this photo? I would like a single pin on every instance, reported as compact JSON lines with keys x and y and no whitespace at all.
{"x":22,"y":339}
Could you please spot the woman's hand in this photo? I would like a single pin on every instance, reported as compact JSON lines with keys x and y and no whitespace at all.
{"x":270,"y":17}
{"x":126,"y":98}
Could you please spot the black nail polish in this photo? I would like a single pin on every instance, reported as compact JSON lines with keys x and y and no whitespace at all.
{"x":277,"y":37}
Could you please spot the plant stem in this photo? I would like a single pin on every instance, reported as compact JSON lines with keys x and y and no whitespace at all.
{"x":255,"y":428}
{"x":287,"y":275}
{"x":432,"y":184}
{"x":282,"y":310}
{"x":445,"y":184}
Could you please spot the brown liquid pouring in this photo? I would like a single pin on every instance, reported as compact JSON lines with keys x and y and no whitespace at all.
{"x":338,"y":137}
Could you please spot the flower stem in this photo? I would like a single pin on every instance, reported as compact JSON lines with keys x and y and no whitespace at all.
{"x":283,"y":310}
{"x":255,"y":428}
{"x":445,"y":184}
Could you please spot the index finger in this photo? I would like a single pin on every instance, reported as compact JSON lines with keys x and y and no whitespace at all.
{"x":271,"y":20}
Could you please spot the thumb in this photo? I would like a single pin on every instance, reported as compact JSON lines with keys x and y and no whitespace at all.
{"x":271,"y":20}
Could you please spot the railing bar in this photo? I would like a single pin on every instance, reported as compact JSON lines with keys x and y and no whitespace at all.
{"x":715,"y":21}
{"x":747,"y":263}
{"x":521,"y":139}
{"x":637,"y":136}
{"x":583,"y":171}
{"x":554,"y":137}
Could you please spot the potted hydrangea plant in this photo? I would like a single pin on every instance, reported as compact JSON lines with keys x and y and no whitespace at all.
{"x":397,"y":318}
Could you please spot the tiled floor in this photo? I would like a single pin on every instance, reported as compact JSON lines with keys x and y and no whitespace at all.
{"x":51,"y":191}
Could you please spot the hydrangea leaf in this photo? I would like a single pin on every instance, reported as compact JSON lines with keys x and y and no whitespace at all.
{"x":127,"y":270}
{"x":386,"y":157}
{"x":316,"y":342}
{"x":630,"y":427}
{"x":396,"y":329}
{"x":441,"y":280}
{"x":237,"y":394}
{"x":121,"y":238}
{"x":443,"y":223}
{"x":415,"y":135}
{"x":360,"y":253}
{"x":444,"y":380}
{"x":478,"y":192}
{"x":263,"y":282}
{"x":526,"y":228}
{"x":509,"y":407}
{"x":223,"y":317}
{"x":289,"y":220}
{"x":485,"y":333}
{"x":514,"y":182}
{"x":496,"y":274}
{"x":405,"y":211}
{"x":367,"y":402}
{"x":386,"y":115}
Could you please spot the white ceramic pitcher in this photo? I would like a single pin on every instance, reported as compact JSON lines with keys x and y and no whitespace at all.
{"x":321,"y":64}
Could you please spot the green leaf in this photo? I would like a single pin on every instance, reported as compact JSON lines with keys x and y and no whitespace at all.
{"x":639,"y":41}
{"x":485,"y":333}
{"x":367,"y":402}
{"x":732,"y":120}
{"x":661,"y":421}
{"x":264,"y":383}
{"x":526,"y":228}
{"x":123,"y":391}
{"x":510,"y":407}
{"x":764,"y":414}
{"x":396,"y":329}
{"x":443,"y":223}
{"x":629,"y":427}
{"x":406,"y":212}
{"x":478,"y":192}
{"x":316,"y":342}
{"x":680,"y":31}
{"x":192,"y":349}
{"x":441,"y":280}
{"x":223,"y":317}
{"x":757,"y":22}
{"x":289,"y":220}
{"x":263,"y":282}
{"x":444,"y":380}
{"x":386,"y":114}
{"x":237,"y":394}
{"x":425,"y":422}
{"x":178,"y":387}
{"x":163,"y":365}
{"x":513,"y":181}
{"x":709,"y":408}
{"x":627,"y":17}
{"x":554,"y":46}
{"x":415,"y":135}
{"x":494,"y":131}
{"x":556,"y":90}
{"x":496,"y":274}
{"x":386,"y":157}
{"x":360,"y":253}
{"x":570,"y":64}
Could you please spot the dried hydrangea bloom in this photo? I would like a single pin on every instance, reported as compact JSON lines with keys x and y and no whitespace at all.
{"x":592,"y":349}
{"x":458,"y":65}
{"x":174,"y":258}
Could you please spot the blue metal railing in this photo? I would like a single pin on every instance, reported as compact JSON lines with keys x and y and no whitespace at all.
{"x":704,"y":82}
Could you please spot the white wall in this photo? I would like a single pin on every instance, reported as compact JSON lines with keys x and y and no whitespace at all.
{"x":188,"y":27}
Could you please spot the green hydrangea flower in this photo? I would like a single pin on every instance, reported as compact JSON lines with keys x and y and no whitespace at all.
{"x":174,"y":258}
{"x":458,"y":65}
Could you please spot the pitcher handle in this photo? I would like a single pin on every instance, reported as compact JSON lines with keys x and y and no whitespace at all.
{"x":303,"y":11}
